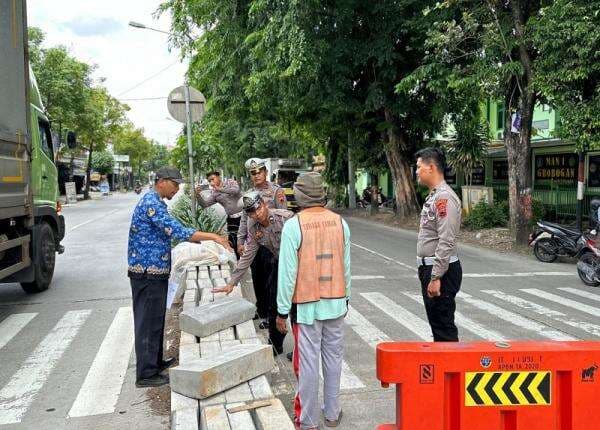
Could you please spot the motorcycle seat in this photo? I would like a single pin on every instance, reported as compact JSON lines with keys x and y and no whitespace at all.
{"x":567,"y":230}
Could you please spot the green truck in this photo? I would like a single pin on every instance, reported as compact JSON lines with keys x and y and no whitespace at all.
{"x":31,"y":224}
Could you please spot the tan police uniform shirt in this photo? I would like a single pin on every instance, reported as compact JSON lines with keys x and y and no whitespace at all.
{"x":259,"y":235}
{"x":439,"y":226}
{"x":228,"y":196}
{"x":274,"y":198}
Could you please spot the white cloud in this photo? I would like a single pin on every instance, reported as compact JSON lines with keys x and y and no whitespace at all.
{"x":97,"y":32}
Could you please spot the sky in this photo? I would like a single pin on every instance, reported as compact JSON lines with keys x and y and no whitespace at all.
{"x":97,"y":32}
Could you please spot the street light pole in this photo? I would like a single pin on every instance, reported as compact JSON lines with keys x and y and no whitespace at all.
{"x":188,"y":126}
{"x":188,"y":115}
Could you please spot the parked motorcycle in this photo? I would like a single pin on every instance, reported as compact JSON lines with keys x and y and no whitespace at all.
{"x":138,"y":189}
{"x":551,"y":241}
{"x":588,"y":266}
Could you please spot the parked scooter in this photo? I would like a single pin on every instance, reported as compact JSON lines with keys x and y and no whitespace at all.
{"x":551,"y":241}
{"x":138,"y":188}
{"x":588,"y":266}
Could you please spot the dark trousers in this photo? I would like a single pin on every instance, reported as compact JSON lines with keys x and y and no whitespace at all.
{"x":275,"y":336}
{"x":149,"y":307}
{"x":261,"y":270}
{"x":440,"y":310}
{"x":233,"y":225}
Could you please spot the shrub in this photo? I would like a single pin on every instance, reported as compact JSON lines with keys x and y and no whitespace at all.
{"x":538,"y":211}
{"x":204,"y":220}
{"x":484,"y":215}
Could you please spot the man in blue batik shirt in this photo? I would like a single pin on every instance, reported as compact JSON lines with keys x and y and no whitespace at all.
{"x":149,"y":265}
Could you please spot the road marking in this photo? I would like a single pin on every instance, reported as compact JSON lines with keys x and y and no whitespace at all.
{"x":363,"y":327}
{"x":18,"y":394}
{"x":516,"y":274}
{"x":582,"y":293}
{"x":366,"y":277}
{"x":542,"y":310}
{"x":93,"y":219}
{"x":516,"y":319}
{"x":467,"y":323}
{"x":385,"y":257}
{"x":12,"y":325}
{"x":102,"y":386}
{"x":401,"y":315}
{"x":563,"y":301}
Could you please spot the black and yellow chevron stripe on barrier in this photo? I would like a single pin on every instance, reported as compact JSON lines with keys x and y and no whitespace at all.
{"x":507,"y":388}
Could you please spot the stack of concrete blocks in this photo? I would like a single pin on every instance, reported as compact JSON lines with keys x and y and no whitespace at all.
{"x":212,"y":413}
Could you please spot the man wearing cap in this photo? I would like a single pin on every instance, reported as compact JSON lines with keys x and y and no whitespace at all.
{"x":149,"y":266}
{"x":314,"y":283}
{"x":227,"y":193}
{"x":274,"y":197}
{"x":264,"y":230}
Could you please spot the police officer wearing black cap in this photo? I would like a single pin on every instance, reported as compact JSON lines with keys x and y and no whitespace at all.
{"x":264,"y":230}
{"x":149,"y":266}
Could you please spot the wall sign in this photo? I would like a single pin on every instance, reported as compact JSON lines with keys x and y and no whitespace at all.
{"x":556,"y":167}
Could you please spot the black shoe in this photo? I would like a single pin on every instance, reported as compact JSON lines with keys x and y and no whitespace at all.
{"x":153,"y":381}
{"x":264,"y":325}
{"x":165,"y":364}
{"x":290,"y":355}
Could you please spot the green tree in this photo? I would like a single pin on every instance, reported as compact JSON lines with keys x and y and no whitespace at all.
{"x":487,"y":45}
{"x":568,"y":69}
{"x":159,"y":156}
{"x":103,"y":162}
{"x":131,"y":141}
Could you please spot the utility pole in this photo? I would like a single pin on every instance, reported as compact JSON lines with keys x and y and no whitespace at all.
{"x":188,"y":115}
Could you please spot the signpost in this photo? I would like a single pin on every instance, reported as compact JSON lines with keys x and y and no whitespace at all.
{"x":186,"y":105}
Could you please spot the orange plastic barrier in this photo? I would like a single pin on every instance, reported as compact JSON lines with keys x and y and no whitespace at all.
{"x":492,"y":386}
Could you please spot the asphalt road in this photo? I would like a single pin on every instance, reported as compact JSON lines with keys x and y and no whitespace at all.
{"x":67,"y":359}
{"x":66,"y":354}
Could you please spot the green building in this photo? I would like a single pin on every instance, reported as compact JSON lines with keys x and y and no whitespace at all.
{"x":554,"y":165}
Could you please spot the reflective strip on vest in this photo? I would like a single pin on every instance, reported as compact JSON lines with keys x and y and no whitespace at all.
{"x":321,"y":273}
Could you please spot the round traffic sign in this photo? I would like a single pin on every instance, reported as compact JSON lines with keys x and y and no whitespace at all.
{"x":176,"y":104}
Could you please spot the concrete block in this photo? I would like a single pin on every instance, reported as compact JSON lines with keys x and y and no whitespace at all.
{"x":205,"y":377}
{"x":240,"y":420}
{"x":239,"y":393}
{"x":185,"y":419}
{"x":245,"y":330}
{"x":215,"y":272}
{"x":192,"y":272}
{"x":179,"y":402}
{"x":213,"y":317}
{"x":214,"y":418}
{"x":273,"y":417}
{"x":187,"y":339}
{"x":205,"y":283}
{"x":219,"y":282}
{"x":189,"y":352}
{"x":203,"y":272}
{"x":227,"y":334}
{"x":260,"y":388}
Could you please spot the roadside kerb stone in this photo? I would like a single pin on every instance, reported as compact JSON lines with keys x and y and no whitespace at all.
{"x":209,"y":318}
{"x":204,"y":377}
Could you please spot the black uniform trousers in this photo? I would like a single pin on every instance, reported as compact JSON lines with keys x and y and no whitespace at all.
{"x":149,"y":308}
{"x":233,"y":225}
{"x":440,"y":310}
{"x":275,"y":336}
{"x":261,"y":270}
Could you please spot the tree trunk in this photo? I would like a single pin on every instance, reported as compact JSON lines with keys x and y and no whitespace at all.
{"x":518,"y":150}
{"x":88,"y":173}
{"x":398,"y":152}
{"x":374,"y":194}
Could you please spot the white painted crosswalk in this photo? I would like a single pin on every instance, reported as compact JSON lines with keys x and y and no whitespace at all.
{"x":564,"y":313}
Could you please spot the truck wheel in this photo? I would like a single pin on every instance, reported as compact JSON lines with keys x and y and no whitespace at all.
{"x":44,"y":258}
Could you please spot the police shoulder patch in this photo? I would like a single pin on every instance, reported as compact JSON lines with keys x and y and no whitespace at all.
{"x":441,"y":206}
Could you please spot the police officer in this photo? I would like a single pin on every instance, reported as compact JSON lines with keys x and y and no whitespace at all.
{"x":264,"y":230}
{"x":440,"y":271}
{"x":274,"y":197}
{"x":149,"y":265}
{"x":227,"y":193}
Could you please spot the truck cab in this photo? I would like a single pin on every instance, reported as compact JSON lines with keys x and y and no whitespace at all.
{"x":31,"y":223}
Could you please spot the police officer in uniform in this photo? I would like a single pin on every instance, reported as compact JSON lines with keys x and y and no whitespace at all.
{"x":274,"y":197}
{"x":263,"y":231}
{"x":440,"y":271}
{"x":227,"y":193}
